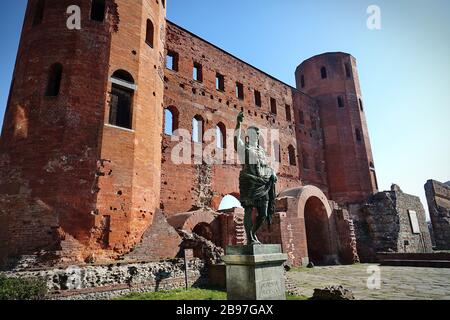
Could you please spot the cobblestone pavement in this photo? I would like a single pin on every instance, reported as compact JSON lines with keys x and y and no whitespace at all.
{"x":397,"y":283}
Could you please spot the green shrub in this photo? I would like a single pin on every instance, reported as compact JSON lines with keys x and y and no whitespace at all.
{"x":22,"y":289}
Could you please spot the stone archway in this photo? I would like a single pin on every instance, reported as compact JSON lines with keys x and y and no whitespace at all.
{"x":317,"y":231}
{"x":310,"y":215}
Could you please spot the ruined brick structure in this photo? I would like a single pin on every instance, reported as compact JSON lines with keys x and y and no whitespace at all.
{"x":86,"y":152}
{"x":438,"y":198}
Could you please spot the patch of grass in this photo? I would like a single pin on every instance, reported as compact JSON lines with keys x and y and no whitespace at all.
{"x":190,"y":294}
{"x":22,"y":288}
{"x":179,"y":294}
{"x":290,"y":297}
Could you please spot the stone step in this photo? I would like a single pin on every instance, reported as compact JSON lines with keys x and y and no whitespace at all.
{"x":416,"y":263}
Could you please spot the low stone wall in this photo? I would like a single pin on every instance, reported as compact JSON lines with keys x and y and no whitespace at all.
{"x":113,"y":280}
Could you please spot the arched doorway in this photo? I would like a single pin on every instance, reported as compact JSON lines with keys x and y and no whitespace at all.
{"x":229,"y":202}
{"x":317,"y":231}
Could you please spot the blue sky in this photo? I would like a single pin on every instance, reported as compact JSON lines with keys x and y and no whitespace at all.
{"x":404,"y":68}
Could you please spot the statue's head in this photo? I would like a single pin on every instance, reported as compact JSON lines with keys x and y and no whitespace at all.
{"x":253,"y":136}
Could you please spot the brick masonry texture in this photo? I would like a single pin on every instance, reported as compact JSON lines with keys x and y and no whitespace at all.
{"x":108,"y":281}
{"x":77,"y":187}
{"x":438,"y":197}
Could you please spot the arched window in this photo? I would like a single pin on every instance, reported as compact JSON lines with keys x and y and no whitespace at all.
{"x":38,"y":12}
{"x":150,"y":31}
{"x":170,"y":120}
{"x":323,"y":73}
{"x":197,"y":129}
{"x":292,"y":160}
{"x":305,"y":160}
{"x":98,"y":10}
{"x":221,"y":136}
{"x":54,"y":80}
{"x":361,"y":105}
{"x":121,"y":104}
{"x":277,"y":151}
{"x":340,"y":102}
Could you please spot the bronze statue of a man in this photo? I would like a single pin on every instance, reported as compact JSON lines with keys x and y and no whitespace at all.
{"x":256,"y":181}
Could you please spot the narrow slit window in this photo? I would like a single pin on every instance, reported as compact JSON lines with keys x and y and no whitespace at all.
{"x":358,"y":135}
{"x":361,"y":106}
{"x":239,"y":91}
{"x":323,"y":73}
{"x":98,"y":10}
{"x":273,"y":105}
{"x":54,"y":80}
{"x":288,"y":113}
{"x":149,"y":35}
{"x":348,"y":70}
{"x":39,"y":12}
{"x":340,"y":101}
{"x":258,"y":101}
{"x":291,"y":152}
{"x":172,"y":60}
{"x":302,"y":81}
{"x":220,"y":82}
{"x":197,"y":73}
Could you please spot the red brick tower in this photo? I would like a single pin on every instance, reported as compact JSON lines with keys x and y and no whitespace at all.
{"x":80,"y":150}
{"x":332,"y":79}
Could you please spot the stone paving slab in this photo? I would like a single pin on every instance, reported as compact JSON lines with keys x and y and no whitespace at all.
{"x":397,"y":283}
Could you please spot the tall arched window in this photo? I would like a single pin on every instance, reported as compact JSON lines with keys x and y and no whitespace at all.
{"x":38,"y":12}
{"x":323,"y":73}
{"x":277,"y":151}
{"x":121,"y":104}
{"x":170,"y":120}
{"x":197,"y":129}
{"x":98,"y":10}
{"x":292,"y":160}
{"x":54,"y":80}
{"x":149,"y":35}
{"x":221,"y":136}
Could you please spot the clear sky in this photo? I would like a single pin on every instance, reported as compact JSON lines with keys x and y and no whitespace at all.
{"x":404,"y":68}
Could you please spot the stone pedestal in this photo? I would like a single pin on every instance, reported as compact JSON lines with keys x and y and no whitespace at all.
{"x":255,"y":272}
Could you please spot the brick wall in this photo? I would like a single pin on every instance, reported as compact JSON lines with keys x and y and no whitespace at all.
{"x":438,"y":198}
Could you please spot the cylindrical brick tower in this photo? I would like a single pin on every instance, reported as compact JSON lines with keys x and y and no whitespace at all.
{"x":332,"y":79}
{"x":80,"y":151}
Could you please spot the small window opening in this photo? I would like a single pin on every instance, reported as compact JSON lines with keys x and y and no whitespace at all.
{"x":302,"y":81}
{"x":273,"y":105}
{"x":258,"y":101}
{"x":220,"y":82}
{"x":324,"y":73}
{"x":305,"y":160}
{"x":358,"y":135}
{"x":301,"y":115}
{"x":361,"y":106}
{"x":54,"y":80}
{"x":172,"y":60}
{"x":197,"y":72}
{"x":39,"y":12}
{"x":348,"y":70}
{"x":239,"y":91}
{"x":149,"y":35}
{"x":98,"y":10}
{"x":291,"y":152}
{"x":288,"y":113}
{"x":340,"y":102}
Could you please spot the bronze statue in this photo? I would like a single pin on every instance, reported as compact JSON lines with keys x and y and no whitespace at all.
{"x":256,"y":181}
